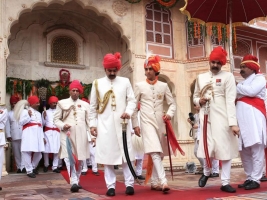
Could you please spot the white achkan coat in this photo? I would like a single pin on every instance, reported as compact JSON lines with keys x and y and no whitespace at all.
{"x":222,"y":144}
{"x":251,"y":121}
{"x":153,"y":129}
{"x":109,"y":148}
{"x":13,"y":129}
{"x":79,"y":121}
{"x":52,"y":137}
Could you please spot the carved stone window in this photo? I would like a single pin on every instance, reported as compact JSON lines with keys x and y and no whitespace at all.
{"x":64,"y":50}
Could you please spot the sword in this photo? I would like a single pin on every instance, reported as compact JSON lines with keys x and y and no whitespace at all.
{"x":205,"y":137}
{"x":125,"y":148}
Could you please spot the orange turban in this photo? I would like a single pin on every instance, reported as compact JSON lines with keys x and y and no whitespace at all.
{"x":153,"y":61}
{"x":251,"y":62}
{"x":33,"y":100}
{"x":52,"y":99}
{"x":112,"y":61}
{"x":13,"y":99}
{"x":219,"y":54}
{"x":76,"y":84}
{"x":86,"y":100}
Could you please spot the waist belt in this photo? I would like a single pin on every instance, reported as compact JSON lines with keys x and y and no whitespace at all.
{"x":1,"y":130}
{"x":31,"y":124}
{"x":51,"y":129}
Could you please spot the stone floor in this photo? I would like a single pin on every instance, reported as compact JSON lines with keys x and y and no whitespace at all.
{"x":48,"y":186}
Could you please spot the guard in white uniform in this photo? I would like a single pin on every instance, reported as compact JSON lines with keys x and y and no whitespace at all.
{"x":52,"y":135}
{"x":251,"y":116}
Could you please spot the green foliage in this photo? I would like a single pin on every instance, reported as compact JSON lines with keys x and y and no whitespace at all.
{"x":42,"y":83}
{"x":87,"y":89}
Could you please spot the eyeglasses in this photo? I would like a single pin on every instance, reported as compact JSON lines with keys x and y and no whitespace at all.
{"x":218,"y":63}
{"x":149,"y":69}
{"x":110,"y":70}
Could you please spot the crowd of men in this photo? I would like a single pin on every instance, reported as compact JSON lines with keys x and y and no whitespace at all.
{"x":232,"y":119}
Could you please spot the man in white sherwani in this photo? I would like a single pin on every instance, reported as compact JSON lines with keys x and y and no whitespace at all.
{"x":106,"y":115}
{"x":13,"y":135}
{"x":3,"y":120}
{"x":32,"y":140}
{"x":222,"y":123}
{"x":251,"y":117}
{"x":151,"y":94}
{"x":52,"y":135}
{"x":71,"y":117}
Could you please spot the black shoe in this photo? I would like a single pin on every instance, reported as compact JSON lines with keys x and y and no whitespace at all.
{"x":74,"y":188}
{"x":213,"y":175}
{"x":116,"y":167}
{"x":19,"y":171}
{"x":0,"y":188}
{"x":45,"y":169}
{"x":252,"y":185}
{"x":60,"y":168}
{"x":263,"y":178}
{"x":23,"y":170}
{"x":56,"y":170}
{"x":80,"y":187}
{"x":203,"y":180}
{"x":111,"y":192}
{"x":31,"y":175}
{"x":228,"y":188}
{"x":244,"y":184}
{"x":129,"y":190}
{"x":89,"y":166}
{"x":141,"y":177}
{"x":96,"y":173}
{"x":83,"y":173}
{"x":35,"y":171}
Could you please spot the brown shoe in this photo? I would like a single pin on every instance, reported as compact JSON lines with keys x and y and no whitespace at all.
{"x":156,"y":188}
{"x":165,"y":188}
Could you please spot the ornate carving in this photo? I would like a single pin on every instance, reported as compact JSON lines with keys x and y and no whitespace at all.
{"x":119,"y":8}
{"x":10,"y":19}
{"x":62,"y":65}
{"x":23,"y":6}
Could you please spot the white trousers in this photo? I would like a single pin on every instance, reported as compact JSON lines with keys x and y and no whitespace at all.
{"x":16,"y":148}
{"x":158,"y":172}
{"x":110,"y":176}
{"x":2,"y":154}
{"x":225,"y":172}
{"x":29,"y":161}
{"x":73,"y":174}
{"x":90,"y":160}
{"x":139,"y":167}
{"x":55,"y":160}
{"x":253,"y":162}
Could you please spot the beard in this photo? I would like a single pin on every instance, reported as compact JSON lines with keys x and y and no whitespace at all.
{"x":215,"y":68}
{"x":112,"y":76}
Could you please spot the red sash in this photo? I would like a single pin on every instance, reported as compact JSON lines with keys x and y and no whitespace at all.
{"x":255,"y":102}
{"x":51,"y":129}
{"x":31,"y":124}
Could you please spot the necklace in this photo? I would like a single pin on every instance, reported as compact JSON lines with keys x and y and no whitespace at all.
{"x":152,"y":83}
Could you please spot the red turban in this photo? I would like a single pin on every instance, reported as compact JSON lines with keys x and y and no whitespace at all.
{"x":52,"y":99}
{"x":76,"y":84}
{"x":219,"y":54}
{"x":112,"y":61}
{"x":13,"y":99}
{"x":153,"y":61}
{"x":33,"y":100}
{"x":86,"y":100}
{"x":251,"y":62}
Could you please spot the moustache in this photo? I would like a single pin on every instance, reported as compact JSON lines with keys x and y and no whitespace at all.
{"x":215,"y":68}
{"x":112,"y":76}
{"x":242,"y":72}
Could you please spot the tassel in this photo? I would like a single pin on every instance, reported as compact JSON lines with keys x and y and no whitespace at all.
{"x":149,"y":168}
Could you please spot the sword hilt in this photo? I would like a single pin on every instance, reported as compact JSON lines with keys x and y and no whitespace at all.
{"x":207,"y":106}
{"x":124,"y":125}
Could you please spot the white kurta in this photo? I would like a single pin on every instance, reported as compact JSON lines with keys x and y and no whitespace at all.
{"x":13,"y":129}
{"x":52,"y":137}
{"x":32,"y":137}
{"x":251,"y":121}
{"x":152,"y":126}
{"x":79,"y":122}
{"x":109,"y":148}
{"x":3,"y":120}
{"x":222,"y":144}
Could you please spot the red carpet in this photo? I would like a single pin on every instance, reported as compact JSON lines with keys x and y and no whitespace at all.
{"x":96,"y":185}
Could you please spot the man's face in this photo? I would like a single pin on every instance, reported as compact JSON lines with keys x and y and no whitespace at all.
{"x":35,"y":106}
{"x":65,"y":77}
{"x":245,"y":71}
{"x":74,"y":94}
{"x":150,"y":73}
{"x":53,"y":105}
{"x":13,"y":105}
{"x":215,"y":66}
{"x":111,"y":73}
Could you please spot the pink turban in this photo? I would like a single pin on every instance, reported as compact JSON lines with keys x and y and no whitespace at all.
{"x":112,"y":61}
{"x":76,"y":84}
{"x":13,"y":99}
{"x":153,"y":61}
{"x":33,"y":100}
{"x":251,"y":62}
{"x":218,"y":54}
{"x":52,"y":99}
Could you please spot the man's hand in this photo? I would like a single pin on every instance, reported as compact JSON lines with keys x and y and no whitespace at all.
{"x":93,"y":131}
{"x":137,"y":131}
{"x":93,"y":141}
{"x":30,"y":112}
{"x":66,"y":127}
{"x":44,"y":114}
{"x":203,"y":101}
{"x":44,"y":141}
{"x":168,"y":117}
{"x":235,"y":130}
{"x":9,"y":139}
{"x":125,"y":116}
